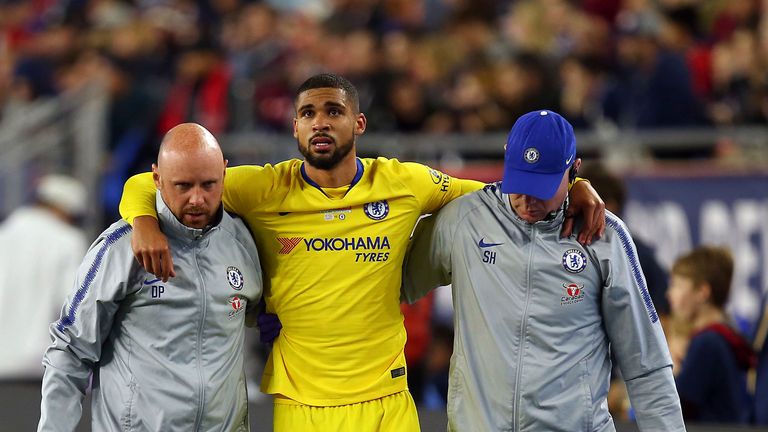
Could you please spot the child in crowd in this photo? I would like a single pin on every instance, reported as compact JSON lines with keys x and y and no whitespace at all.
{"x":712,"y":379}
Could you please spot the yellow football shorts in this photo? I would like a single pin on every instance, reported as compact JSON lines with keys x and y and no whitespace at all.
{"x":396,"y":413}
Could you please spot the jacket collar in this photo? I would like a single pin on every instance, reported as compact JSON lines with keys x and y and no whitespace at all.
{"x":552,"y":222}
{"x":171,"y":226}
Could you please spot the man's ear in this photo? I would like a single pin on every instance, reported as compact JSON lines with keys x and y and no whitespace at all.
{"x":361,"y":122}
{"x":156,"y":175}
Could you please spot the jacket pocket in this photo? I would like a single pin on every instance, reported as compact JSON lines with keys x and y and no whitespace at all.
{"x":560,"y":401}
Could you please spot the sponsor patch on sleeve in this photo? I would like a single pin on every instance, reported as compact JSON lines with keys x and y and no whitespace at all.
{"x":397,"y":372}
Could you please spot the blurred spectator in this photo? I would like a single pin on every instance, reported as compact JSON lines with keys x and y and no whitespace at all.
{"x":199,"y":93}
{"x":417,"y":318}
{"x":611,"y":189}
{"x":653,"y":85}
{"x":761,"y":383}
{"x":582,"y":87}
{"x":521,"y":85}
{"x":680,"y":33}
{"x":409,"y":106}
{"x":437,"y":368}
{"x":477,"y":64}
{"x":42,"y":251}
{"x":712,"y":380}
{"x":739,"y":81}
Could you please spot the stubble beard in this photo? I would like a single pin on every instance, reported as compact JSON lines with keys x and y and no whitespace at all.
{"x":326,"y":161}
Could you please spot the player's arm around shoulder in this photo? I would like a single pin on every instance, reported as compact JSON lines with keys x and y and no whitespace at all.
{"x":428,"y":261}
{"x":106,"y":275}
{"x":247,"y":186}
{"x":635,"y":333}
{"x":431,"y":187}
{"x":138,"y":197}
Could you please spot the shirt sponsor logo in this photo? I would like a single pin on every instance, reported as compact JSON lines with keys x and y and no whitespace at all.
{"x":367,"y":245}
{"x":574,"y":293}
{"x":344,"y":244}
{"x":288,"y":244}
{"x":396,"y":373}
{"x":446,"y":184}
{"x":574,"y":261}
{"x":151,"y":281}
{"x":376,"y":210}
{"x":238,"y":305}
{"x":436,"y":175}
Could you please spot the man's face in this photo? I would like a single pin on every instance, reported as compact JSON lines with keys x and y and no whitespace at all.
{"x":191,"y":185}
{"x":532,"y":209}
{"x":326,"y":126}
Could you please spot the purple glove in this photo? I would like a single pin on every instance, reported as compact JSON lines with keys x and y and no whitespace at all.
{"x":269,"y":327}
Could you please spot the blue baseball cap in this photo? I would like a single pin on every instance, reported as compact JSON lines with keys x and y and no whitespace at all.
{"x":540,"y":148}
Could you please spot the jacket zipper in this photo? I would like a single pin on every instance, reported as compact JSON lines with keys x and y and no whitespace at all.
{"x":523,"y":326}
{"x":201,"y":386}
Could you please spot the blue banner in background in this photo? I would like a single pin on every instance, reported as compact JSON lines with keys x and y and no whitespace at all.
{"x":675,"y":214}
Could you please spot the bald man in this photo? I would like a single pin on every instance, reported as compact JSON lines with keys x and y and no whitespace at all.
{"x":164,"y":356}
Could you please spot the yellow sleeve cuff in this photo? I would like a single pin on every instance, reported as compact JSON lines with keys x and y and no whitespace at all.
{"x":576,"y":180}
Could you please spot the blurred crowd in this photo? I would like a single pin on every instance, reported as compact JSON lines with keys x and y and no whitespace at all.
{"x":430,"y":65}
{"x":434,"y":66}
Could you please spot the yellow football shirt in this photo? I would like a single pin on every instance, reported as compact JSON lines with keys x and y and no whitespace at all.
{"x":332,"y":260}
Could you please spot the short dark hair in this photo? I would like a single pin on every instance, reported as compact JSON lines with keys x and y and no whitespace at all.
{"x":710,"y":264}
{"x":328,"y":80}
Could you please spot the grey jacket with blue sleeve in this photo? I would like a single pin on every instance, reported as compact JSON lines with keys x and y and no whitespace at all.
{"x":535,"y":318}
{"x":164,"y":356}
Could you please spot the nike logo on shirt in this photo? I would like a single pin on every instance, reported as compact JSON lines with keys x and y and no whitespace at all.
{"x":150,"y":282}
{"x":483,"y":244}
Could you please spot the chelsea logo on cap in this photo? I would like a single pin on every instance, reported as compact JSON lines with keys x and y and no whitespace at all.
{"x":235,"y":277}
{"x":531,"y":155}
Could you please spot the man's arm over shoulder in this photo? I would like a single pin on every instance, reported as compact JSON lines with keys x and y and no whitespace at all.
{"x":433,"y":188}
{"x":247,"y":186}
{"x":103,"y":279}
{"x":634,"y":331}
{"x":428,"y":262}
{"x":138,"y":197}
{"x":243,"y":185}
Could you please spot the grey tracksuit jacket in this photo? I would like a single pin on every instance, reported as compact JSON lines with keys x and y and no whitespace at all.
{"x":535,"y":318}
{"x":164,"y":356}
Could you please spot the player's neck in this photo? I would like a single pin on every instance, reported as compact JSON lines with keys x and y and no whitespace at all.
{"x":340,"y":175}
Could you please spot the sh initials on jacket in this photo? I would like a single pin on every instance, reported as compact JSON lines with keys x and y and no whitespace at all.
{"x":489,"y":255}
